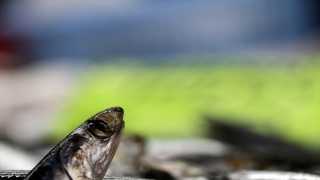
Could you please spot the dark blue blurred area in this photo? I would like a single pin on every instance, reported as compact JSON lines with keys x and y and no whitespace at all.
{"x":95,"y":29}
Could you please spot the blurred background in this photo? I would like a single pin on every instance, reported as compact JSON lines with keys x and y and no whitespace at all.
{"x":169,"y":64}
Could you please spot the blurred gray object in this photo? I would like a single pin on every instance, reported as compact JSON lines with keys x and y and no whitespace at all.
{"x":270,"y":175}
{"x":29,"y":97}
{"x":156,"y":28}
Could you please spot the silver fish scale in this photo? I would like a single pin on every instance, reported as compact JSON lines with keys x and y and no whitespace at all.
{"x":21,"y":174}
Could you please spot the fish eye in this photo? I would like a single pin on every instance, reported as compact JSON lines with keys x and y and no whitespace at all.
{"x":99,"y":129}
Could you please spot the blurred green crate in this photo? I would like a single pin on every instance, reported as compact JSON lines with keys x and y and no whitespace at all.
{"x":171,"y":100}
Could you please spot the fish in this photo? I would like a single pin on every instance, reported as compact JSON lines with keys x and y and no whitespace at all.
{"x":86,"y":153}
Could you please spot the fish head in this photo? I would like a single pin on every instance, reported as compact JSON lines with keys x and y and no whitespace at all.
{"x":95,"y":144}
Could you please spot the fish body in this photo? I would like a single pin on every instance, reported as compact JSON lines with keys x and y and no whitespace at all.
{"x":86,"y":153}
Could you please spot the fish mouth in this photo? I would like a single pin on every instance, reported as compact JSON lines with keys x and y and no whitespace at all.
{"x":110,"y":115}
{"x":117,"y":112}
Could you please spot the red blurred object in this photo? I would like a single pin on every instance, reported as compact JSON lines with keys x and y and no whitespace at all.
{"x":14,"y":51}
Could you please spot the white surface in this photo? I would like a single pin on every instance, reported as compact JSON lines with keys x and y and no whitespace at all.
{"x":12,"y":158}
